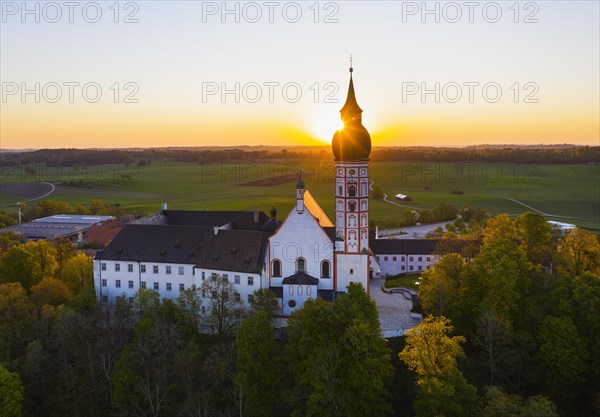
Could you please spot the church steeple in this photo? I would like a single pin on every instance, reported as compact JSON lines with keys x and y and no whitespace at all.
{"x":353,"y":142}
{"x":351,"y":110}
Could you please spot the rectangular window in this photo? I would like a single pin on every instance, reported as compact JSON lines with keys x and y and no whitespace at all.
{"x":351,"y":271}
{"x":130,"y":300}
{"x":412,"y":267}
{"x":105,"y":298}
{"x":203,"y":293}
{"x":410,"y":259}
{"x":129,"y":267}
{"x":155,"y":269}
{"x":143,"y":284}
{"x":181,"y":270}
{"x":249,"y":298}
{"x":168,"y":286}
{"x":420,"y":259}
{"x":118,"y":283}
{"x":385,"y":258}
{"x":225,"y":277}
{"x":143,"y":269}
{"x":168,"y":269}
{"x":203,"y":275}
{"x":404,"y":267}
{"x":420,"y":267}
{"x":103,"y":282}
{"x":237,"y":279}
{"x":213,"y":276}
{"x":213,"y":295}
{"x":117,"y":267}
{"x":403,"y":259}
{"x":181,"y":287}
{"x":103,"y":266}
{"x":250,"y":280}
{"x":394,"y":258}
{"x":238,"y":297}
{"x":203,"y":310}
{"x":130,"y":284}
{"x":156,"y":286}
{"x":428,"y":259}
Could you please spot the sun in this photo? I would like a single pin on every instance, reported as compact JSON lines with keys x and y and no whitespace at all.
{"x":323,"y":125}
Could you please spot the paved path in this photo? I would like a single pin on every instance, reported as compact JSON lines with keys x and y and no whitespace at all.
{"x":394,"y":309}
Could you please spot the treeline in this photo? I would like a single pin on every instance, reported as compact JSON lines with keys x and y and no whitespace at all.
{"x":87,"y":157}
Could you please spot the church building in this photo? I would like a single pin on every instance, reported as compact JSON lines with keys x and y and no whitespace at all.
{"x":305,"y":256}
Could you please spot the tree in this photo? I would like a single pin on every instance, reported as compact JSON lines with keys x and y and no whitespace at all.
{"x":496,"y":403}
{"x":11,"y":393}
{"x":97,"y":206}
{"x":44,"y":255}
{"x":338,"y":359}
{"x":580,"y":251}
{"x":533,"y":232}
{"x":493,"y":335}
{"x":563,"y":355}
{"x":18,"y":265}
{"x":50,"y":291}
{"x":433,"y":355}
{"x":495,"y":280}
{"x":78,"y":272}
{"x":190,"y":304}
{"x":258,"y":363}
{"x":499,"y":227}
{"x":264,"y":300}
{"x":225,"y":309}
{"x":439,"y":289}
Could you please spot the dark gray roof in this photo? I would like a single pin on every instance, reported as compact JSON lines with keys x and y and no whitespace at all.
{"x":331,"y":234}
{"x":403,"y":246}
{"x":240,"y":220}
{"x":228,"y":250}
{"x":300,"y":278}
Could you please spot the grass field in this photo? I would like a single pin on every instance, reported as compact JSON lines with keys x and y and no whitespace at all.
{"x":402,"y":281}
{"x":560,"y":190}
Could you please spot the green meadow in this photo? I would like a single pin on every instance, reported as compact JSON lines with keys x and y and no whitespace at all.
{"x":572,"y":191}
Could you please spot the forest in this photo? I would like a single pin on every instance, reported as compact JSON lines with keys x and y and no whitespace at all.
{"x":512,"y":329}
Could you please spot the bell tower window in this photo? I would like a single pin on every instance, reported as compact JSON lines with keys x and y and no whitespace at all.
{"x":352,"y":191}
{"x":352,"y":206}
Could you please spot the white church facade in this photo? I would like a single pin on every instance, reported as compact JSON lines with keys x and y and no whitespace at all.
{"x":305,"y":256}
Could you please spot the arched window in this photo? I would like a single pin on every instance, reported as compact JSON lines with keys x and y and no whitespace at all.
{"x":340,"y":190}
{"x":300,"y":265}
{"x":352,"y":191}
{"x":325,"y":273}
{"x":276,"y":268}
{"x":352,"y":206}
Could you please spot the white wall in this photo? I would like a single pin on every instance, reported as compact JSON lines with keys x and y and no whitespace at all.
{"x":393,"y":264}
{"x":297,"y":293}
{"x":301,"y":236}
{"x":352,"y":268}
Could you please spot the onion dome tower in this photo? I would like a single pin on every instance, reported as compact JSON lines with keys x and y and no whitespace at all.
{"x":351,"y":148}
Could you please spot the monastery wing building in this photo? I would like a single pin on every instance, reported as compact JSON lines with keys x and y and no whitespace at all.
{"x":305,"y":256}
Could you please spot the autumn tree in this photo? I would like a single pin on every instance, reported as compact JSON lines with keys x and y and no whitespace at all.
{"x":433,"y":355}
{"x":533,"y":233}
{"x":499,"y":227}
{"x":18,"y":265}
{"x":580,"y":251}
{"x":50,"y":291}
{"x":78,"y":272}
{"x":439,"y":289}
{"x":44,"y":255}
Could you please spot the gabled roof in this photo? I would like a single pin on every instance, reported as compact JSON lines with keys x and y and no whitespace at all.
{"x":300,"y":278}
{"x":228,"y":250}
{"x":403,"y":246}
{"x":103,"y":233}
